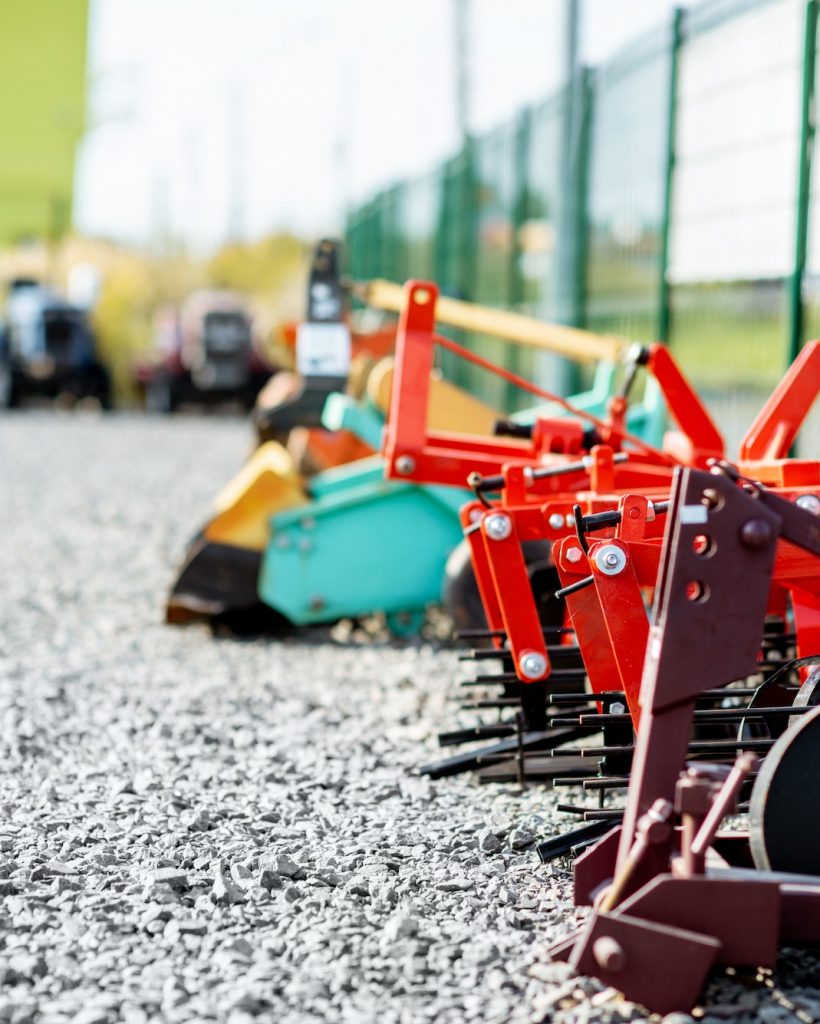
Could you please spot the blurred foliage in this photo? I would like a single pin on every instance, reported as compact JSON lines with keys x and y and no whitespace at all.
{"x":135,"y":284}
{"x":258,"y":268}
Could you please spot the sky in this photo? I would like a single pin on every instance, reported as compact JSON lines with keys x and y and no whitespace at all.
{"x":209,"y":120}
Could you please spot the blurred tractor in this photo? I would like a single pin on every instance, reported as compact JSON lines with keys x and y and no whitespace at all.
{"x":47,"y":349}
{"x":204,"y":353}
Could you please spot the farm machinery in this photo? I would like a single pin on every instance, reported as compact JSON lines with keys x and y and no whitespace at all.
{"x":296,"y":543}
{"x":673,"y":894}
{"x":577,"y":612}
{"x":48,"y":348}
{"x":204,"y":352}
{"x":330,"y":356}
{"x":709,"y":708}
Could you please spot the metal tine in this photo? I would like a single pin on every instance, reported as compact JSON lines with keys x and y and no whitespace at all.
{"x":565,"y":698}
{"x":499,"y":634}
{"x":593,"y":813}
{"x":738,"y":714}
{"x":559,"y":722}
{"x":505,"y":751}
{"x":571,"y":843}
{"x":477,"y":732}
{"x":696,"y":747}
{"x":499,"y":702}
{"x":487,"y":653}
{"x":595,"y":782}
{"x":707,"y":695}
{"x":557,"y":675}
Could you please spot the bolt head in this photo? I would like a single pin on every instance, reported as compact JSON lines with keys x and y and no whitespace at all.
{"x":617,"y":708}
{"x":532,"y":665}
{"x":556,"y":521}
{"x":810,"y":503}
{"x":756,"y":533}
{"x":610,"y":560}
{"x":609,"y":954}
{"x":574,"y":555}
{"x":405,"y":464}
{"x":498,"y":526}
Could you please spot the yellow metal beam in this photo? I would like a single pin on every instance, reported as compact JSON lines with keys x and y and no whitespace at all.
{"x":570,"y":342}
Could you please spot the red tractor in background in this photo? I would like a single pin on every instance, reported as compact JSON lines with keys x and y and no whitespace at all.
{"x":204,"y":352}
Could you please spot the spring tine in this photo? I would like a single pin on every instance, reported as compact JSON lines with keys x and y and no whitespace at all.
{"x":713,"y":715}
{"x":500,"y":634}
{"x":539,"y":768}
{"x":697,"y":747}
{"x":472,"y":759}
{"x":485,"y":654}
{"x":573,"y":842}
{"x":477,"y":732}
{"x":563,"y":698}
{"x":594,"y":813}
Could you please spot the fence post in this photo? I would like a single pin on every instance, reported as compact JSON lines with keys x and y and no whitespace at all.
{"x":571,"y":253}
{"x":664,"y":310}
{"x":519,"y":211}
{"x":441,"y":237}
{"x":468,"y":218}
{"x":807,"y":130}
{"x":582,"y":195}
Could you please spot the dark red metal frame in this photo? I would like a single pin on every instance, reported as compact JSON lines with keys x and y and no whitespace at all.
{"x":664,"y":914}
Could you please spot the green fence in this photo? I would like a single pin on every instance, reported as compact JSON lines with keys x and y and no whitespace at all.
{"x":667,"y":194}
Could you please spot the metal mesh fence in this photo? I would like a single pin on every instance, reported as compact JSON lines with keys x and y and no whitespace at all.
{"x":627,"y":190}
{"x":658,"y":196}
{"x":734,"y":205}
{"x":541,"y":214}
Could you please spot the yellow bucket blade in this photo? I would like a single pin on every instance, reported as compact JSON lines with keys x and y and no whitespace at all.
{"x":268,"y":483}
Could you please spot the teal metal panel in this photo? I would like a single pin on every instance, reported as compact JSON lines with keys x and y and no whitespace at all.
{"x":372,"y":547}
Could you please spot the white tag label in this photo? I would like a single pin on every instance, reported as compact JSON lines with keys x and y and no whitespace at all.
{"x":694,"y":514}
{"x":323,"y":350}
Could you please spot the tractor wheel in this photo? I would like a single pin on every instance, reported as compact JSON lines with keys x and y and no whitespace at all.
{"x":462,"y":600}
{"x":8,"y":388}
{"x":101,"y":387}
{"x":94,"y":384}
{"x":160,"y":396}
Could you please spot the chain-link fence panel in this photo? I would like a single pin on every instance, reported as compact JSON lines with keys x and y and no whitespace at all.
{"x":627,"y":188}
{"x":735,"y":193}
{"x":565,"y":212}
{"x":540,"y":219}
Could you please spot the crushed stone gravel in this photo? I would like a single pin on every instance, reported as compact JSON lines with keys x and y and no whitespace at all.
{"x":213,"y":829}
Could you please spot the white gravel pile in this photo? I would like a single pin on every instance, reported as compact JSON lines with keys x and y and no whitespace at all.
{"x":195,"y":829}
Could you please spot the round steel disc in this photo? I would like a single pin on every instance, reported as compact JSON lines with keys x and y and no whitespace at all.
{"x":809,"y":693}
{"x":784,"y":811}
{"x":770,"y":694}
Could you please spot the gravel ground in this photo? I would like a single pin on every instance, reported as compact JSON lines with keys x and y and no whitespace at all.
{"x":196,"y":829}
